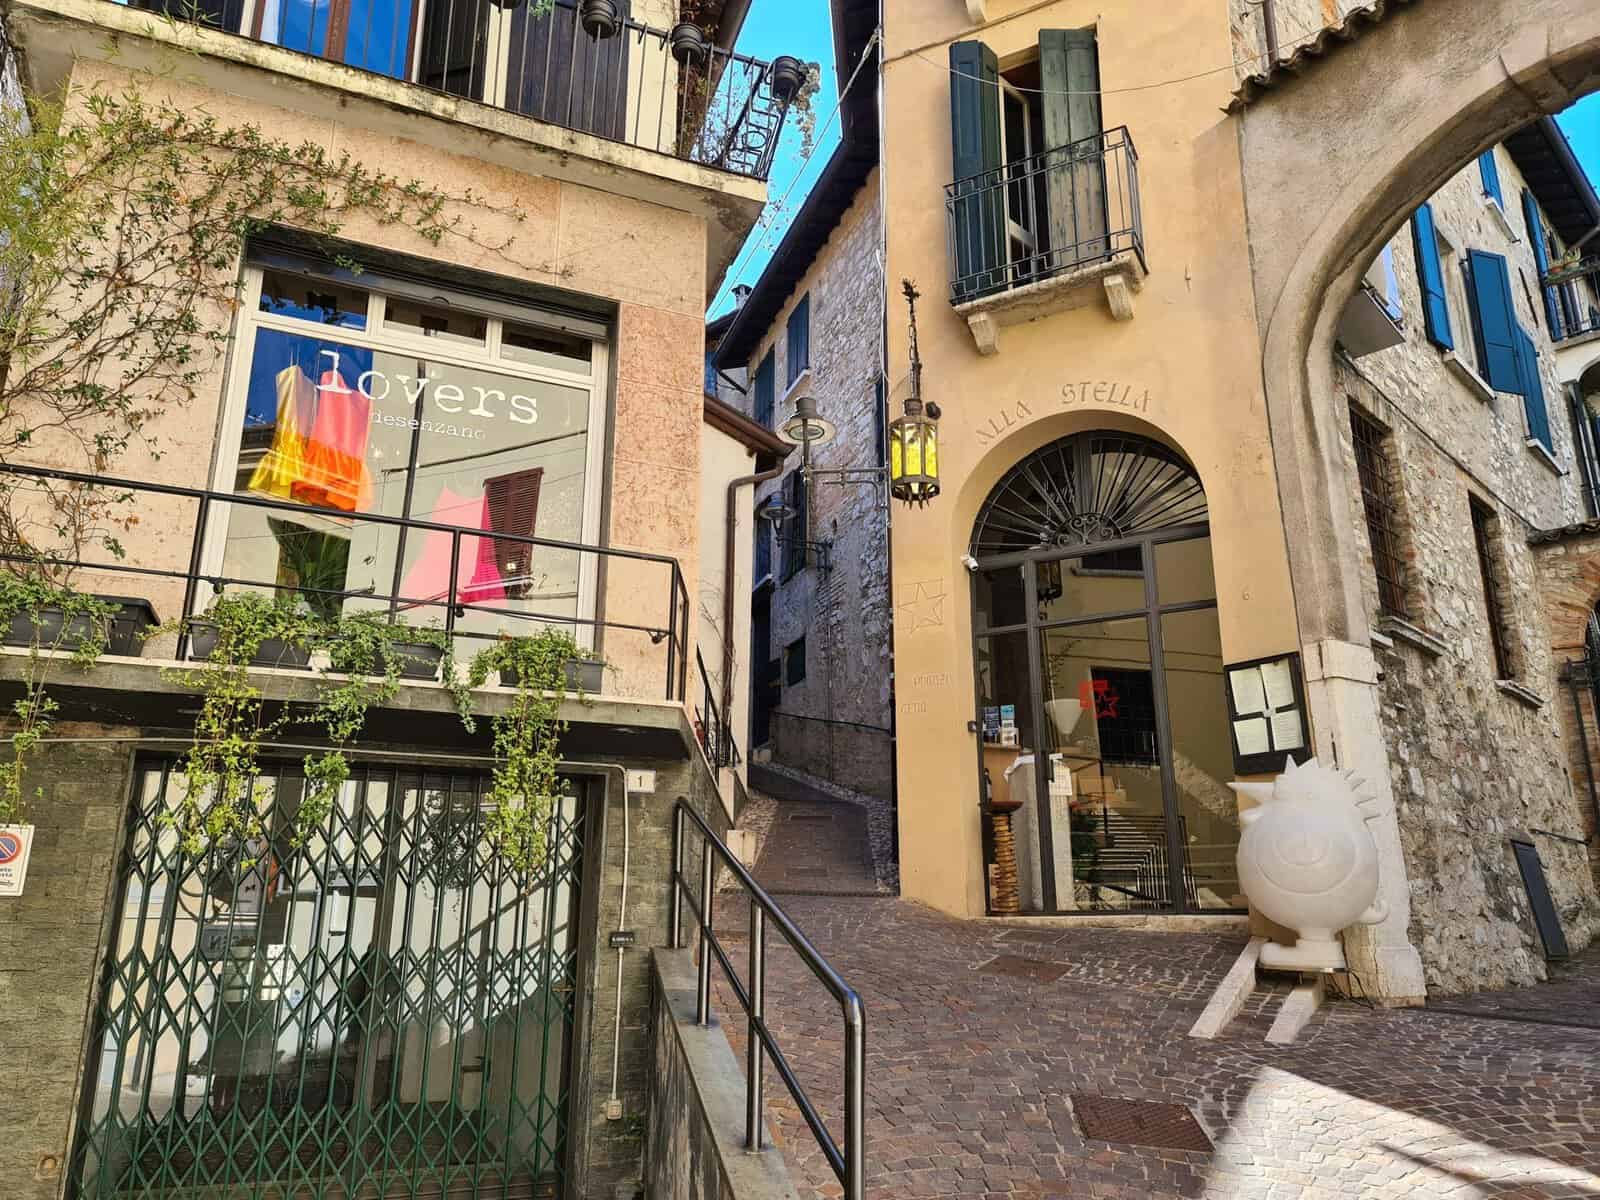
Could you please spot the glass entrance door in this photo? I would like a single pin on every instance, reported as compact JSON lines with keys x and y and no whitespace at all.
{"x":1105,"y":751}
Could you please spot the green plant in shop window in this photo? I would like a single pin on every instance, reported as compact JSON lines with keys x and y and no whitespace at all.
{"x":53,"y":620}
{"x":527,"y":743}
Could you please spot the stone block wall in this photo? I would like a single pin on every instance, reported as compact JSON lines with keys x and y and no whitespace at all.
{"x":852,"y":756}
{"x":1472,"y":762}
{"x":51,"y":940}
{"x":1567,"y":569}
{"x":843,"y":612}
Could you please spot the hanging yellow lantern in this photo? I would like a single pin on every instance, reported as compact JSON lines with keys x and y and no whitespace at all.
{"x":914,"y":455}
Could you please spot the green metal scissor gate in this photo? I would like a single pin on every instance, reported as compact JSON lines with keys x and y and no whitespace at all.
{"x":380,"y":1012}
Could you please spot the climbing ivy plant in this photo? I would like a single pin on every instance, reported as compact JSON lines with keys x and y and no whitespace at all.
{"x":123,"y":219}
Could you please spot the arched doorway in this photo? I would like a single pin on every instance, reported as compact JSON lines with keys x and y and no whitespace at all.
{"x":1098,"y":664}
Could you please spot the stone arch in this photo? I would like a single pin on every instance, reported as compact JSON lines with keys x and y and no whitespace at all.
{"x":1335,"y":159}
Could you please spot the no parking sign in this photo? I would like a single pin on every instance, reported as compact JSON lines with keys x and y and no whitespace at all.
{"x":15,"y":843}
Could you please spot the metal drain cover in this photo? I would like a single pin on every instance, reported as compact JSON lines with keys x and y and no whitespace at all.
{"x":1139,"y":1123}
{"x":1013,"y":966}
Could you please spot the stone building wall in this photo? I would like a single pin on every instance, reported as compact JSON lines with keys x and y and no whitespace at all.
{"x":1298,"y":21}
{"x":1567,"y":568}
{"x":1473,"y":763}
{"x":843,"y":611}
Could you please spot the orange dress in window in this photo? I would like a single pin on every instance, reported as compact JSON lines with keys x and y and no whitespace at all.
{"x":335,"y":473}
{"x":284,"y":462}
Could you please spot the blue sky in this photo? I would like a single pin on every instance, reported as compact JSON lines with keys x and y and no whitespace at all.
{"x":1581,"y":124}
{"x":800,"y":28}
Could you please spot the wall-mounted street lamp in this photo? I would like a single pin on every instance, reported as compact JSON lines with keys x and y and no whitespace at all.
{"x":914,"y":438}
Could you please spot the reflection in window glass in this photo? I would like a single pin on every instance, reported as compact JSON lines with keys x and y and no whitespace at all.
{"x":332,"y":430}
{"x":436,"y":321}
{"x":1183,"y":571}
{"x":317,"y":300}
{"x":558,"y":351}
{"x":1099,"y":583}
{"x":1001,"y":600}
{"x":1202,"y":757}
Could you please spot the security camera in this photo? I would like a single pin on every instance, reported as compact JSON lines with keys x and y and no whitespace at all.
{"x":969,"y":562}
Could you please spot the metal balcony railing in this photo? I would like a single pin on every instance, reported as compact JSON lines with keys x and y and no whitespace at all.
{"x":1574,"y":291}
{"x":697,"y":103}
{"x":1035,"y":218}
{"x":521,"y":600}
{"x":711,"y":726}
{"x":848,"y":1160}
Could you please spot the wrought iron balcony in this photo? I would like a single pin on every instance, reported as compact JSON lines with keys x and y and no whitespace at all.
{"x":1574,"y":293}
{"x":1041,"y":217}
{"x":650,"y":88}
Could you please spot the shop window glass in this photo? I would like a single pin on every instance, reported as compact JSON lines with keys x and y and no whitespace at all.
{"x":317,"y":300}
{"x":437,"y":322}
{"x":1111,"y":581}
{"x":558,"y":351}
{"x":333,"y":428}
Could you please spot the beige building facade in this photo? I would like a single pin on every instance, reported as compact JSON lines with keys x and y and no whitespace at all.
{"x":1106,"y":537}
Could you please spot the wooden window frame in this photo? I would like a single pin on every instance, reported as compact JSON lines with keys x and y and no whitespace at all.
{"x":1484,"y":520}
{"x":1385,"y":525}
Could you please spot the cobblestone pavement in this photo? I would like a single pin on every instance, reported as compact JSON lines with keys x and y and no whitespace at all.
{"x":1571,"y":997}
{"x":816,"y":848}
{"x":980,"y":1036}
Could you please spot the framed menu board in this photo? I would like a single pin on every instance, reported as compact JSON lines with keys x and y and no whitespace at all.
{"x":1267,"y":714}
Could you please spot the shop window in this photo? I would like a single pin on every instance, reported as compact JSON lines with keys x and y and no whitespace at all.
{"x":794,"y":662}
{"x":1374,"y":469}
{"x":1485,"y":532}
{"x":799,"y":340}
{"x":353,"y":401}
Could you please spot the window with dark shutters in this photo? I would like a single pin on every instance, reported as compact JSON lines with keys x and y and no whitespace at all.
{"x":799,"y":357}
{"x":1069,"y":65}
{"x":1494,"y":325}
{"x":1533,"y":391}
{"x":1484,"y":525}
{"x":978,"y":221}
{"x":1541,"y":260}
{"x":765,"y":391}
{"x":794,"y":531}
{"x":1430,"y":271}
{"x":794,"y":662}
{"x":1373,"y":469}
{"x":1489,"y":172}
{"x":514,"y":509}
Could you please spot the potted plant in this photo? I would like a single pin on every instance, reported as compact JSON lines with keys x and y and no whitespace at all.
{"x":600,"y":18}
{"x":266,"y":632}
{"x":788,"y":77}
{"x":580,"y":674}
{"x":527,"y":746}
{"x":690,"y":45}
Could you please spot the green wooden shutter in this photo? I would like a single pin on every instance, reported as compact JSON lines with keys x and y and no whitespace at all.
{"x":1069,"y":67}
{"x":765,"y":391}
{"x":1435,"y":307}
{"x":1493,"y":324}
{"x":977,"y":219}
{"x":1552,"y":310}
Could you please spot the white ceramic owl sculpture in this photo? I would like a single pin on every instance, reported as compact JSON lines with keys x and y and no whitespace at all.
{"x":1308,"y":861}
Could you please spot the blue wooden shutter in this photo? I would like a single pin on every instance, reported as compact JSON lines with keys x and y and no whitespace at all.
{"x":1552,"y":310}
{"x":1435,"y":307}
{"x":977,"y":230}
{"x":1069,"y":72}
{"x":766,"y":390}
{"x":1491,"y":176}
{"x":799,"y":339}
{"x":1533,"y":391}
{"x":1493,"y":325}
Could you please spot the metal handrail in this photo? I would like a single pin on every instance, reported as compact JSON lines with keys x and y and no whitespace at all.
{"x":715,"y":731}
{"x":720,"y":111}
{"x":848,"y":1162}
{"x":452,"y":603}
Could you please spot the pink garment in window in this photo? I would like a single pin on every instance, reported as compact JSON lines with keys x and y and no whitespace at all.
{"x":478,"y":576}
